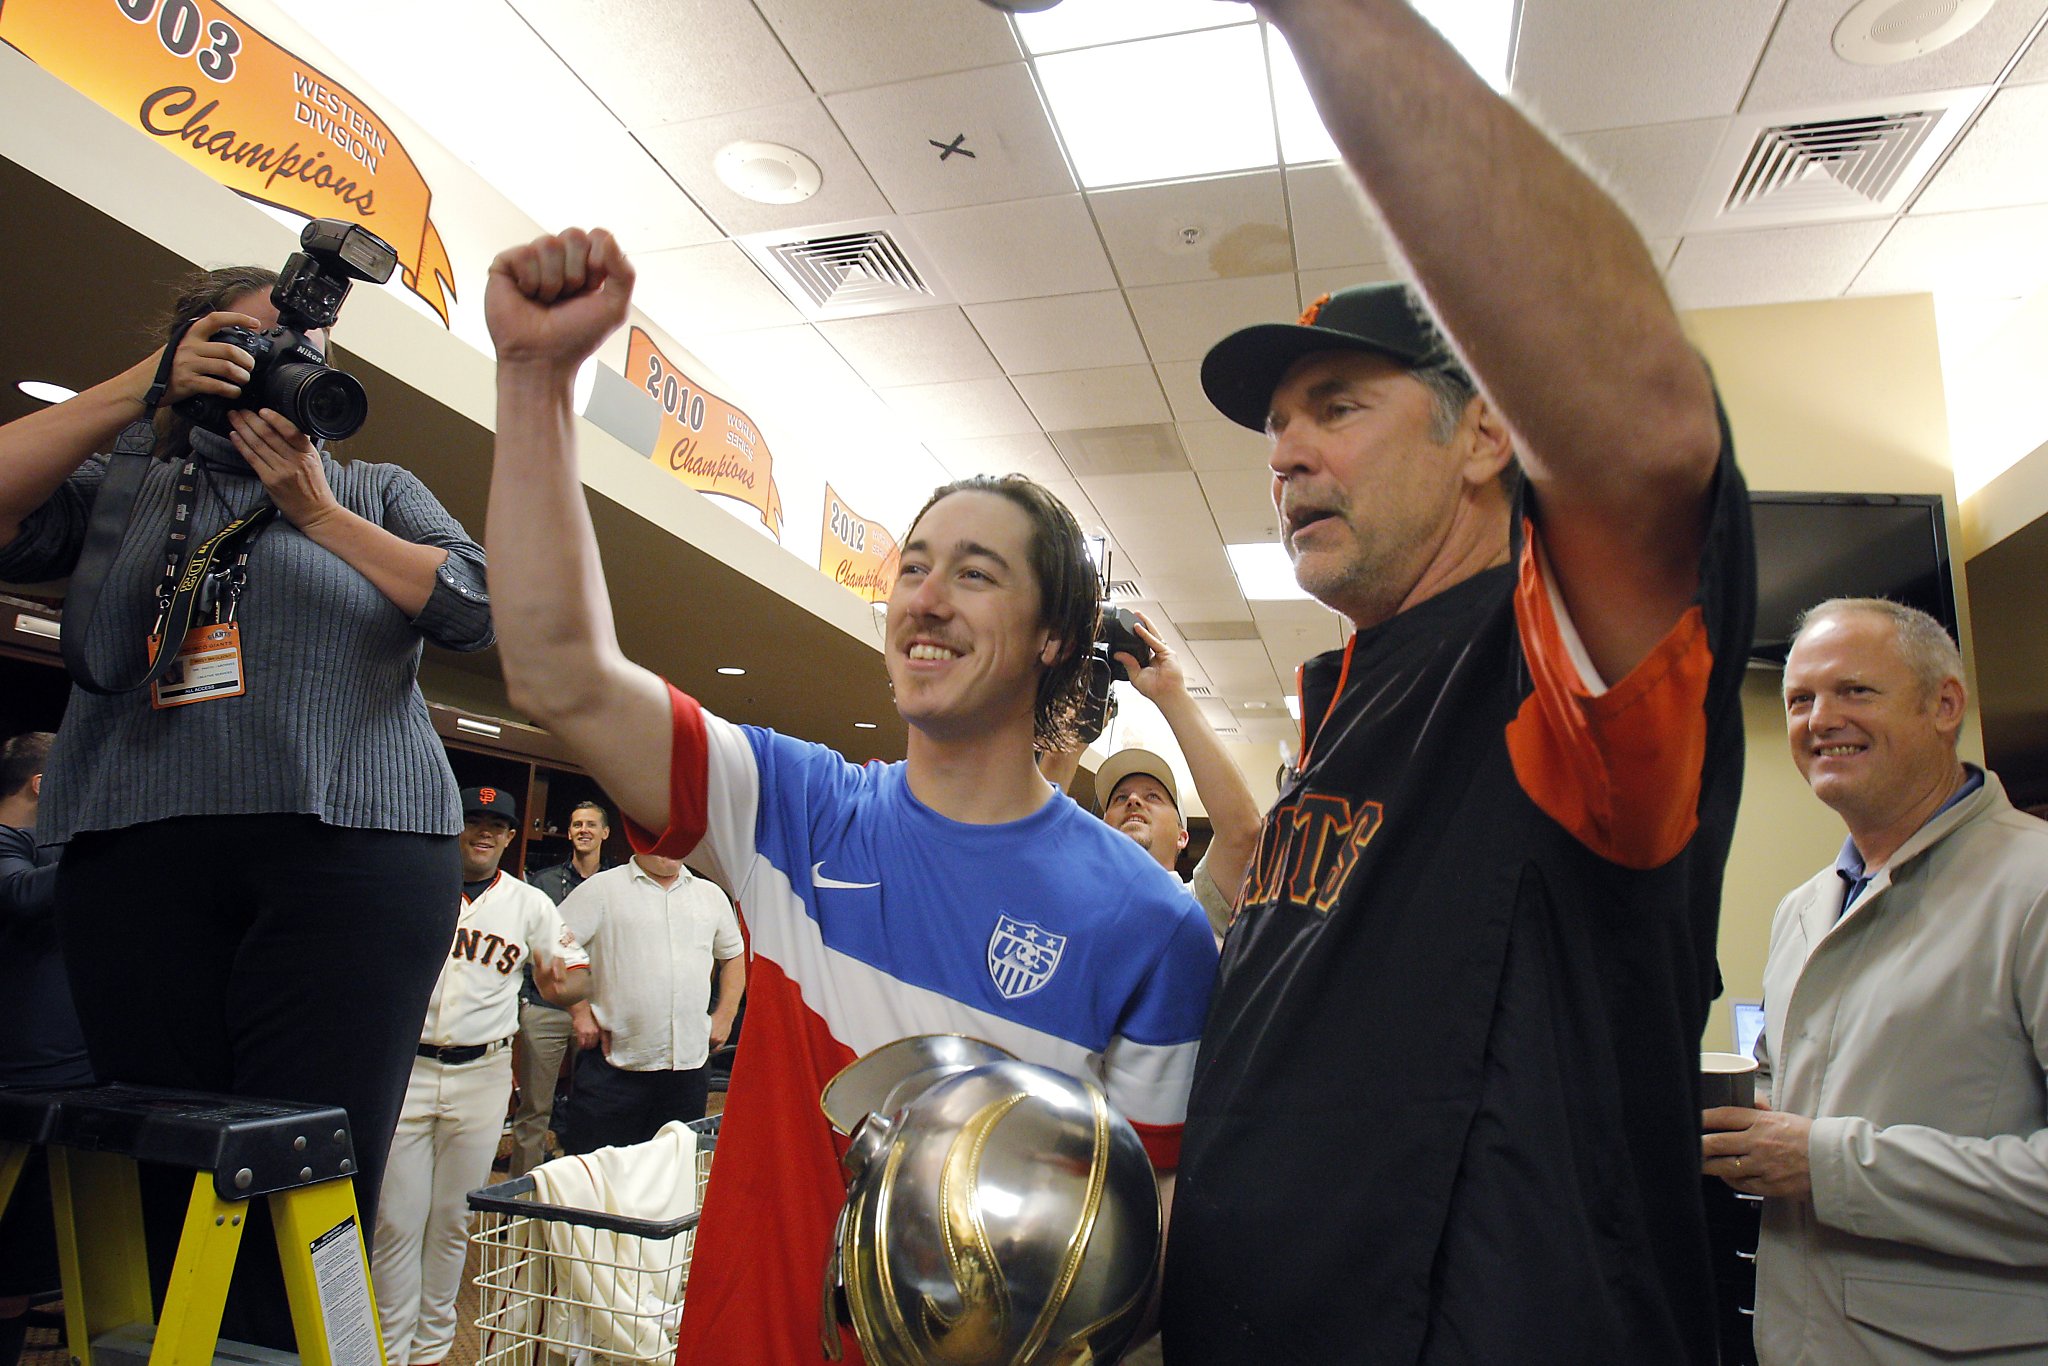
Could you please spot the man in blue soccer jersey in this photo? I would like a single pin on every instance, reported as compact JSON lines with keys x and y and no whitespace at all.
{"x":951,"y":893}
{"x":1444,"y":1108}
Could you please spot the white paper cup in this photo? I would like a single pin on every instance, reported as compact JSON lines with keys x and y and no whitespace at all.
{"x":1727,"y":1079}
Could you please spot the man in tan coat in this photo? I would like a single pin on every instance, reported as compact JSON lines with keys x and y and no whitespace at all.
{"x":1901,"y":1150}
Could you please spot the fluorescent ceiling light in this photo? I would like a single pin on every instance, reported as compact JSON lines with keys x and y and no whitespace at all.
{"x":1294,"y":705}
{"x":1264,"y":573}
{"x":1302,"y":135}
{"x":45,"y":391}
{"x":863,"y":725}
{"x":1089,"y":23}
{"x":1483,"y":31}
{"x":1163,"y":109}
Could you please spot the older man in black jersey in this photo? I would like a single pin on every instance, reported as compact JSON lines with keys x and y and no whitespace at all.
{"x":1443,"y":1110}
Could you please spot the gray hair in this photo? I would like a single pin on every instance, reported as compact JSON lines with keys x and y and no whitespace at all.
{"x":1450,"y":392}
{"x":1927,"y":649}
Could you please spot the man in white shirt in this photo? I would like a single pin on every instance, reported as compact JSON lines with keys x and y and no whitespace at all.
{"x":653,"y":930}
{"x":461,"y":1083}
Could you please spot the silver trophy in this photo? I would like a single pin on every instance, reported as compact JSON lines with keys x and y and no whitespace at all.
{"x":996,"y":1212}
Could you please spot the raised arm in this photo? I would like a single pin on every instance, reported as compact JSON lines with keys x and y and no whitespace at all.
{"x":1226,"y":796}
{"x":1574,"y":342}
{"x":550,"y":304}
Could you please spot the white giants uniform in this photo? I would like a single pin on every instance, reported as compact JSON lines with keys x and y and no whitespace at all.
{"x":455,"y":1111}
{"x":873,"y":917}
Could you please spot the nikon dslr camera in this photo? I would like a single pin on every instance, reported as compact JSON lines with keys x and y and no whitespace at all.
{"x":291,"y":375}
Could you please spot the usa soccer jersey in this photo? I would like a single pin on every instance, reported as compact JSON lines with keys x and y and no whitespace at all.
{"x":872,"y":917}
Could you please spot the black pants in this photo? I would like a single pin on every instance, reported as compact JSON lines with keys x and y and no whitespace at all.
{"x":273,"y":957}
{"x":611,"y":1107}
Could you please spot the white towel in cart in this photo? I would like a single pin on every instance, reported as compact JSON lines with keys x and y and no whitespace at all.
{"x":627,"y":1291}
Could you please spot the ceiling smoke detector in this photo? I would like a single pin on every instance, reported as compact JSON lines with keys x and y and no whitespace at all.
{"x":767,"y":172}
{"x":1881,"y":32}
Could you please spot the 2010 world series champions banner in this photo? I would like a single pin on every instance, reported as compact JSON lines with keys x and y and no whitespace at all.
{"x":704,"y":441}
{"x":856,"y":552}
{"x":196,"y":78}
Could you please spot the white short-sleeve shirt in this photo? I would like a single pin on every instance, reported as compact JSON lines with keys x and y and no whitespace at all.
{"x":651,"y":952}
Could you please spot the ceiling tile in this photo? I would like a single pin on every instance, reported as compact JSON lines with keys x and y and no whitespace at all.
{"x":1171,"y":547}
{"x":1314,"y":284}
{"x":1800,"y":67}
{"x":1149,"y":497}
{"x":631,"y":50}
{"x":1223,"y":445}
{"x":928,"y":346}
{"x":1235,"y":666}
{"x":1583,"y":66}
{"x":2001,"y":162}
{"x":1076,"y":502}
{"x":1238,"y":225}
{"x":1121,"y":396}
{"x":1019,"y":250}
{"x":1991,"y":253}
{"x":1025,"y":453}
{"x":1662,"y":249}
{"x":1181,"y":322}
{"x":961,"y":409}
{"x":1007,"y":149}
{"x":1182,"y":380}
{"x":1060,"y":332}
{"x":841,"y":45}
{"x":1146,"y":448}
{"x":1203,"y":585}
{"x":687,"y":150}
{"x":1217,"y":607}
{"x":1241,"y":501}
{"x":1723,"y":270}
{"x":1333,"y":225}
{"x":1654,"y":172}
{"x":2033,"y":66}
{"x":696,"y":291}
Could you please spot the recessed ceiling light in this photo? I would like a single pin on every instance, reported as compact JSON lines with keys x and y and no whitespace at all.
{"x":1264,"y":573}
{"x":1090,"y":23}
{"x":767,"y":172}
{"x":730,"y":671}
{"x":44,"y":390}
{"x":1163,"y":108}
{"x":863,"y":725}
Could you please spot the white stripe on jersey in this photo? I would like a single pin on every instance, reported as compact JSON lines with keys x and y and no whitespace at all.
{"x":733,"y":804}
{"x":864,"y":1007}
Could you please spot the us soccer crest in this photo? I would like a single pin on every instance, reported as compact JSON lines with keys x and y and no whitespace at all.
{"x":1022,"y":957}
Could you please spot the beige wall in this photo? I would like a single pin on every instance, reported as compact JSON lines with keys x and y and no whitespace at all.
{"x":1839,"y":395}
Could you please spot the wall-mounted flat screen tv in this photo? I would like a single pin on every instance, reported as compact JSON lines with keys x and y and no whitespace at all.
{"x":1814,"y":546}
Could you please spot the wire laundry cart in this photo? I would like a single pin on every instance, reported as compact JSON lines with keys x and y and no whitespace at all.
{"x":558,"y":1286}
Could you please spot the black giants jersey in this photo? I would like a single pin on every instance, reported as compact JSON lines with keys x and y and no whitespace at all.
{"x":1445,"y":1110}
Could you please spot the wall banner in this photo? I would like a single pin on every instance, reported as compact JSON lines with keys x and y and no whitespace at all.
{"x":855,"y":552}
{"x":198,"y":79}
{"x":704,"y":441}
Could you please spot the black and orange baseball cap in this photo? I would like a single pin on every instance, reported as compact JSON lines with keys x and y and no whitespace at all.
{"x":1241,"y":372}
{"x":489,"y":801}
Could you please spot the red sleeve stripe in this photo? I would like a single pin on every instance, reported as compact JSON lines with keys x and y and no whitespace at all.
{"x":688,"y":780}
{"x":1162,"y":1144}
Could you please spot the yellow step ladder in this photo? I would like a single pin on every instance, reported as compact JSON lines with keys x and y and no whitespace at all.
{"x":299,"y":1157}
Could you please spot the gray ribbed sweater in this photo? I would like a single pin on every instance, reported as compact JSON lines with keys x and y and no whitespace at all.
{"x":332,"y":724}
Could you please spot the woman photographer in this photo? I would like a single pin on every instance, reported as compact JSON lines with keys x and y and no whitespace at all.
{"x":259,"y":879}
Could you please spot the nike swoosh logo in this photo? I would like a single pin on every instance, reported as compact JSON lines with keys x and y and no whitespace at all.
{"x":818,"y":879}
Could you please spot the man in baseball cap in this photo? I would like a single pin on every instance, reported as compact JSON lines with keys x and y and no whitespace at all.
{"x":461,"y":1081}
{"x":1141,"y":797}
{"x":1461,"y":1004}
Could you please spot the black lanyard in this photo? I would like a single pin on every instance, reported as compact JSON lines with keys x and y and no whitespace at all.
{"x":184,"y":586}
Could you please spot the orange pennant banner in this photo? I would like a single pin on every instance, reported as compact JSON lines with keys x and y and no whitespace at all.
{"x":198,"y":79}
{"x":856,"y":552}
{"x":705,"y":441}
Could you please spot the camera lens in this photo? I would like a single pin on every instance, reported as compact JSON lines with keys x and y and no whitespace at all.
{"x":320,"y":401}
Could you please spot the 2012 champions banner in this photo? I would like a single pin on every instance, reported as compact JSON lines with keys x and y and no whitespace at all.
{"x":857,"y":552}
{"x":195,"y":77}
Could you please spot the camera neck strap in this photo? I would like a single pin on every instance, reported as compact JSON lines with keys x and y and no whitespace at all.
{"x":180,"y":592}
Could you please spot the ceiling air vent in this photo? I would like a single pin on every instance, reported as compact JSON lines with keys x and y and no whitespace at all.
{"x":1840,"y":162}
{"x":1858,"y":161}
{"x":1200,"y":690}
{"x":847,"y":270}
{"x":1125,"y":589}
